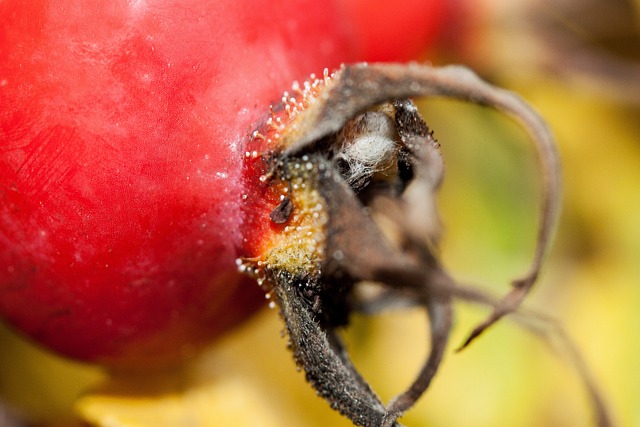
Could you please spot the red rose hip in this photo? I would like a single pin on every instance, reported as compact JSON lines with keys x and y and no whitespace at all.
{"x":122,"y":131}
{"x":143,"y":181}
{"x":121,"y":139}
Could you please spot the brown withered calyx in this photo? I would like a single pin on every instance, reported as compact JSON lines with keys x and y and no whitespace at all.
{"x":375,"y":168}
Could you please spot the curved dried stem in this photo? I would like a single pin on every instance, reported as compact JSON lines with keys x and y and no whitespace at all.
{"x":547,"y":328}
{"x":440,"y":319}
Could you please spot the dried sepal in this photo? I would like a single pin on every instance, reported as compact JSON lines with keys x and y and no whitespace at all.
{"x":348,"y":159}
{"x":358,"y":87}
{"x":317,"y":350}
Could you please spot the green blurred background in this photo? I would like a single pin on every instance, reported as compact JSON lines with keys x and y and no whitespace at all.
{"x":591,"y":284}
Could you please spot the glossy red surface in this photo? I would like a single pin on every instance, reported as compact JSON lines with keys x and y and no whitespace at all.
{"x":122,"y":126}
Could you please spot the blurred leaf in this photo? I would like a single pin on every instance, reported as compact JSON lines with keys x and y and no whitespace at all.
{"x":38,"y":384}
{"x":247,"y":379}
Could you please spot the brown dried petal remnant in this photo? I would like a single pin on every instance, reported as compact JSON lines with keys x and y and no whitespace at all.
{"x":360,"y":170}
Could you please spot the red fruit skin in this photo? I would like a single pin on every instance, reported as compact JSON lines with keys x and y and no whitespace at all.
{"x":400,"y":30}
{"x":122,"y":131}
{"x":121,"y":135}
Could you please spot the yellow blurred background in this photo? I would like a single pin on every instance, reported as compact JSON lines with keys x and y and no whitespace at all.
{"x":591,"y":284}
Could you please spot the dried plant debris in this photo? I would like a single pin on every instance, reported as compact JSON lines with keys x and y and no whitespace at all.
{"x":356,"y":170}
